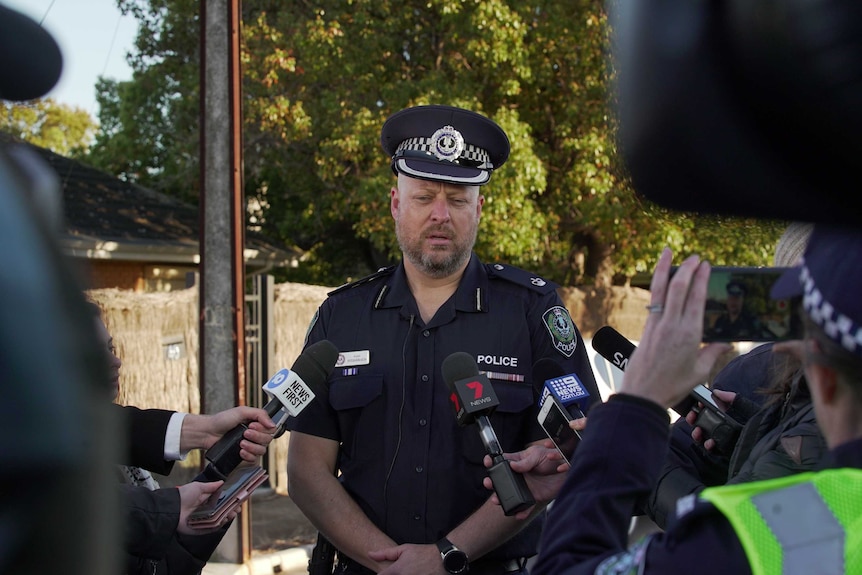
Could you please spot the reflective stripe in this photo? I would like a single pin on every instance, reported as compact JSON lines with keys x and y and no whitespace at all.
{"x":811,"y":539}
{"x":804,"y":523}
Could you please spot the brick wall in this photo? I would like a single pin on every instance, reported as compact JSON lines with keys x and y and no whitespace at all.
{"x":114,"y":274}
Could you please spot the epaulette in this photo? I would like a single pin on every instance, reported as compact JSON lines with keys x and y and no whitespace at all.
{"x":520,"y":277}
{"x":382,"y":272}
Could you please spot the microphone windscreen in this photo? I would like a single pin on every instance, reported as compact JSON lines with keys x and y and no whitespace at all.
{"x":315,"y":364}
{"x":608,"y":342}
{"x":459,"y":365}
{"x":545,"y":369}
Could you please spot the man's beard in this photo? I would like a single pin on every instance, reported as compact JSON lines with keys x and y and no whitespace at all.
{"x":437,"y":263}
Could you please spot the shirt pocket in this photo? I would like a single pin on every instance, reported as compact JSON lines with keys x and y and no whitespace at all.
{"x":357,"y":400}
{"x":509,"y":420}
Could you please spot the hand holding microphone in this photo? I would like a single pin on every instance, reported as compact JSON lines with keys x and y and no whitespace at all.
{"x":291,"y":389}
{"x":474,"y":400}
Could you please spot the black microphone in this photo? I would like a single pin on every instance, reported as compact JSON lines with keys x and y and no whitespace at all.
{"x":617,"y":349}
{"x":474,"y":400}
{"x":613,"y":346}
{"x":564,"y":388}
{"x":290,"y":389}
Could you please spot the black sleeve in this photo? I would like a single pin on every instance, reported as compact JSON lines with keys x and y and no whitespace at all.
{"x":146,"y":431}
{"x":152,"y":540}
{"x":150,"y":519}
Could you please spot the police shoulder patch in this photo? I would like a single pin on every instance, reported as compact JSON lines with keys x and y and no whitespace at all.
{"x":382,"y":272}
{"x":561,"y":329}
{"x":520,"y":277}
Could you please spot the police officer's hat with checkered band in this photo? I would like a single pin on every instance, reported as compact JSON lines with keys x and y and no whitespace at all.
{"x":829,"y":279}
{"x":444,"y":144}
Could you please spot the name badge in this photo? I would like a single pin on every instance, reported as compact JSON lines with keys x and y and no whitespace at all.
{"x":348,"y":358}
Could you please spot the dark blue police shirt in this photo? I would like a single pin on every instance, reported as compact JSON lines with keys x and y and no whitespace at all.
{"x":404,"y":459}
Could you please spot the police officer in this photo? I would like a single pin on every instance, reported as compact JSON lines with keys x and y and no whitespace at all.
{"x":737,"y":322}
{"x":805,"y":523}
{"x":410,"y":491}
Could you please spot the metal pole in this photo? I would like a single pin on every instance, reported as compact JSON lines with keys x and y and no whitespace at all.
{"x":222,"y":295}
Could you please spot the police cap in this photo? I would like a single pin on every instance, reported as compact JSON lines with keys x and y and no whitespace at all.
{"x":735,"y":288}
{"x":444,"y":143}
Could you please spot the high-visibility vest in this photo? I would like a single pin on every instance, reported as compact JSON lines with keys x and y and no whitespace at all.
{"x":804,"y":524}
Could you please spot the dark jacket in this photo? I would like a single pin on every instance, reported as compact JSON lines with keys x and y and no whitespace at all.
{"x":152,"y":544}
{"x":587,"y":526}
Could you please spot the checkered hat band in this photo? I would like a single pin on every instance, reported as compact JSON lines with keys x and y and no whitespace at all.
{"x":477,"y":157}
{"x":835,"y":324}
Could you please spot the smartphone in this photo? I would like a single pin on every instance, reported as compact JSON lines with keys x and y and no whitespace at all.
{"x":236,"y":489}
{"x":704,"y":395}
{"x":739,"y":307}
{"x":554,"y":419}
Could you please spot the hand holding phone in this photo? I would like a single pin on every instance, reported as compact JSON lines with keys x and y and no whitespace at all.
{"x":555,"y":419}
{"x":713,"y":421}
{"x":236,"y":489}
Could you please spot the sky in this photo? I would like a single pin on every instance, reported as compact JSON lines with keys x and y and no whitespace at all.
{"x":94,"y":39}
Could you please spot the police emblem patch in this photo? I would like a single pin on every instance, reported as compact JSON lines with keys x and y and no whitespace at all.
{"x":562,"y":330}
{"x":447,"y":143}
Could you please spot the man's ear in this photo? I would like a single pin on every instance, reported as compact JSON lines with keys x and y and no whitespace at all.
{"x":393,"y":201}
{"x":823,"y":377}
{"x":826,"y":382}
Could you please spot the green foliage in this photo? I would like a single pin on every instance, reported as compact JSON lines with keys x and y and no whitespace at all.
{"x":319,"y":80}
{"x":63,"y":129}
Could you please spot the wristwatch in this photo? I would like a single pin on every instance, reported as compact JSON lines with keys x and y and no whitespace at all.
{"x":454,"y":560}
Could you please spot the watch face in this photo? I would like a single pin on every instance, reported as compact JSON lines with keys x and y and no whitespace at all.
{"x":455,"y":561}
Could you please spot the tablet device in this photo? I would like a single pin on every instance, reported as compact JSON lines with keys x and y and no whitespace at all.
{"x":237,"y":488}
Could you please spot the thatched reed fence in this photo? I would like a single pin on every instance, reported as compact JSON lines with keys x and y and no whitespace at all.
{"x":156,"y":335}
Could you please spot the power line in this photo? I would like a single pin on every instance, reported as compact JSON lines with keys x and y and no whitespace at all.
{"x":111,"y":48}
{"x":51,"y":5}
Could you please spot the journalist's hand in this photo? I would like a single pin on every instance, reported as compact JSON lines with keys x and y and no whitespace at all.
{"x":670,"y":361}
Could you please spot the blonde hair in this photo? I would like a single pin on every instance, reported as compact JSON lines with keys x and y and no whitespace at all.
{"x":791,"y":244}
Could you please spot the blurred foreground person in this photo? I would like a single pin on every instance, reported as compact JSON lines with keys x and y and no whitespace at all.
{"x":58,"y":504}
{"x":742,"y":108}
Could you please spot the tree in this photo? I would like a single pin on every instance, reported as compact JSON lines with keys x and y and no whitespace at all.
{"x":319,"y":79}
{"x":63,"y":129}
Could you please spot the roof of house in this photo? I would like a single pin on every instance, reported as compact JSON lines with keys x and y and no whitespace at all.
{"x":108,"y":218}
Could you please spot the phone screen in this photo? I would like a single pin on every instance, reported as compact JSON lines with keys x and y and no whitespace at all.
{"x":739,"y":307}
{"x":556,"y":424}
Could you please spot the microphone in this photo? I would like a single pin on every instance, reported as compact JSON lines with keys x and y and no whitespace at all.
{"x":564,"y":388}
{"x":613,"y":346}
{"x":617,"y":349}
{"x":291,"y":389}
{"x":474,"y":400}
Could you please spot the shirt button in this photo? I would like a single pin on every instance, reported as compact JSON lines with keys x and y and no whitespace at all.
{"x":426,"y":333}
{"x":419,"y":469}
{"x":417,"y":517}
{"x":424,"y":378}
{"x":423,"y":422}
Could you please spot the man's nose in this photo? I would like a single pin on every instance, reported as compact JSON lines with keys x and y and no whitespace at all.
{"x":440,"y":210}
